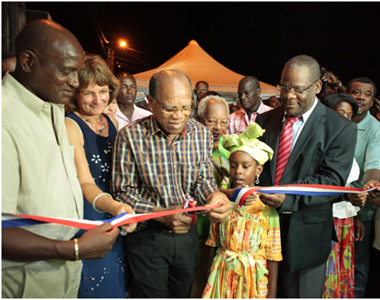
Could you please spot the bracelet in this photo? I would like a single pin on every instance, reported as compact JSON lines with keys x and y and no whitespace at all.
{"x":94,"y":202}
{"x":76,"y":249}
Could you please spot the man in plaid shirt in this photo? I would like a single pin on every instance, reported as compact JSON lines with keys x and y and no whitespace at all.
{"x":249,"y":97}
{"x":157,"y":161}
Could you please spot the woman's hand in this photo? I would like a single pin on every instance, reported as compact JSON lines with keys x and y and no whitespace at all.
{"x":121,"y":208}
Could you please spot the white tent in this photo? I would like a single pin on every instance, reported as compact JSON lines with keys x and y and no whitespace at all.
{"x":199,"y":65}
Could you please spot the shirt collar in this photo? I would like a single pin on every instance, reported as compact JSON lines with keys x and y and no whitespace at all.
{"x":305,"y":115}
{"x":30,"y":100}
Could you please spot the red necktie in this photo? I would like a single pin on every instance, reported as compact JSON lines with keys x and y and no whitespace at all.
{"x":284,"y":147}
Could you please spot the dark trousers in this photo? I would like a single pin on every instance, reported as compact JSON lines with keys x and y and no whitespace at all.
{"x":308,"y":283}
{"x":162,"y":264}
{"x":362,"y":254}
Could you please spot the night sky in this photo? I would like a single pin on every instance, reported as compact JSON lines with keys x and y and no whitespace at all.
{"x":249,"y":38}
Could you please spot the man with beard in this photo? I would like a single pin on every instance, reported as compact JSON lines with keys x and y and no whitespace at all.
{"x":252,"y":105}
{"x":127,"y":112}
{"x":367,"y":155}
{"x":313,"y":145}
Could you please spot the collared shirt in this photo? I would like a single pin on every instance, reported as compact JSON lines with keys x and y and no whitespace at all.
{"x":38,"y":171}
{"x":138,"y":113}
{"x":149,"y":170}
{"x":367,"y":155}
{"x":300,"y":123}
{"x":239,"y":119}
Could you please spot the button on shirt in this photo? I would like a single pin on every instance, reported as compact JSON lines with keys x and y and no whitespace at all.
{"x":239,"y":119}
{"x":150,"y":170}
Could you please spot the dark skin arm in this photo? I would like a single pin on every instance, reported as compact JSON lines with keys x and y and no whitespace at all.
{"x":22,"y":245}
{"x":272,"y":278}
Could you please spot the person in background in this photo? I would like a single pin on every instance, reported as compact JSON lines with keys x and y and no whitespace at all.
{"x":111,"y":109}
{"x":200,"y":91}
{"x":213,"y":113}
{"x":274,"y":102}
{"x":127,"y":110}
{"x":38,"y":170}
{"x":375,"y":109}
{"x":340,"y":264}
{"x":252,"y":105}
{"x":201,"y":88}
{"x":367,"y":151}
{"x":247,"y":243}
{"x":307,"y":137}
{"x":92,"y":133}
{"x":233,"y":108}
{"x":159,"y":163}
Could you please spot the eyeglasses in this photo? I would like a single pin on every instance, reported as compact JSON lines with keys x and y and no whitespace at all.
{"x":284,"y":89}
{"x":89,"y":95}
{"x":168,"y":109}
{"x":213,"y":123}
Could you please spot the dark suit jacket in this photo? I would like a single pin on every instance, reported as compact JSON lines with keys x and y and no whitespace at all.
{"x":323,"y":154}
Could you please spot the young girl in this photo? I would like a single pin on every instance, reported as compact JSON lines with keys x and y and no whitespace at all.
{"x":248,"y":241}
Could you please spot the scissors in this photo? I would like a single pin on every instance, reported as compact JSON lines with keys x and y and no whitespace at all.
{"x":190,"y":203}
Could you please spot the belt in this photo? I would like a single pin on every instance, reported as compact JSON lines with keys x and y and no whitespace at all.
{"x":158,"y":226}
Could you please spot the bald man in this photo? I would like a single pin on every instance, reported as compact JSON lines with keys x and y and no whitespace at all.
{"x":157,"y":161}
{"x":38,"y":170}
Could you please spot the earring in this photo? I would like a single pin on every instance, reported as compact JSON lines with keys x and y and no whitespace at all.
{"x":257,"y":181}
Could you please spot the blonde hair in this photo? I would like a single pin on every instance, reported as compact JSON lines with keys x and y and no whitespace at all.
{"x":95,"y":71}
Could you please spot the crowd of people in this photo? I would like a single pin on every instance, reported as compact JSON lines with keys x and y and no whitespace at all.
{"x":76,"y":145}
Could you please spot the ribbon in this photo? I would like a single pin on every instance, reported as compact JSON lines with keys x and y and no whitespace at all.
{"x":13,"y":220}
{"x":297,"y":189}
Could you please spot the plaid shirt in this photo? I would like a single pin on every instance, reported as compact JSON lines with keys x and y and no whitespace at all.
{"x":239,"y":119}
{"x":148,"y":170}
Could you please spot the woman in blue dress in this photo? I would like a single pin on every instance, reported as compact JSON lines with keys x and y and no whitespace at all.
{"x":92,"y":133}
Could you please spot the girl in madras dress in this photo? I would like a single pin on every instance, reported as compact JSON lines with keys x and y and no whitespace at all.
{"x":247,"y":243}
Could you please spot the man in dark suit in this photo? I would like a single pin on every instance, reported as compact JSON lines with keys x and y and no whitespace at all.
{"x":322,"y":151}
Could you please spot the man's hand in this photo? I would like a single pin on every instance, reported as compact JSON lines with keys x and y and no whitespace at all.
{"x":357,"y":199}
{"x":121,"y":208}
{"x":220,"y":213}
{"x":178,"y":223}
{"x":97,"y":242}
{"x":272,"y":200}
{"x":359,"y":229}
{"x":374,"y":196}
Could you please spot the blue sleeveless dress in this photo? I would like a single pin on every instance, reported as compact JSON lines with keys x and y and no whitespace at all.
{"x":107,"y":277}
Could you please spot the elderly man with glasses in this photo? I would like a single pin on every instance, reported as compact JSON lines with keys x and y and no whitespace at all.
{"x":313,"y":145}
{"x":160,"y":162}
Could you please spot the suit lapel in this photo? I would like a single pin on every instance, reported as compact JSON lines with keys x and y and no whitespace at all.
{"x":316,"y":119}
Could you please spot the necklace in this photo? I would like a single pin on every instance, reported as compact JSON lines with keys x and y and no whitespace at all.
{"x":93,"y":125}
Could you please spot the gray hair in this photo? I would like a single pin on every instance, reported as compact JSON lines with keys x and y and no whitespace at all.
{"x":308,"y":61}
{"x":202,"y":106}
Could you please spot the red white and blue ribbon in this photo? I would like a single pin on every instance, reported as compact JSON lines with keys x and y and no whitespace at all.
{"x":297,"y":189}
{"x":13,"y":220}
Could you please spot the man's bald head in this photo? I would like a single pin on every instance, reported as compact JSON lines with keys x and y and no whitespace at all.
{"x":39,"y":34}
{"x":164,"y":77}
{"x":48,"y":60}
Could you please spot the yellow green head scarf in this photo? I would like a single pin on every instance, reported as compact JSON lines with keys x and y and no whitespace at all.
{"x":248,"y":142}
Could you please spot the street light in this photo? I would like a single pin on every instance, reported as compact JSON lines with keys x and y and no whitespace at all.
{"x":111,"y":53}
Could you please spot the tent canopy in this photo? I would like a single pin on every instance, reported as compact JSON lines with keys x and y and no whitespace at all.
{"x":199,"y":65}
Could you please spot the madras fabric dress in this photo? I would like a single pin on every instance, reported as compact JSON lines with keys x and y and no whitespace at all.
{"x":341,"y":269}
{"x":246,"y":239}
